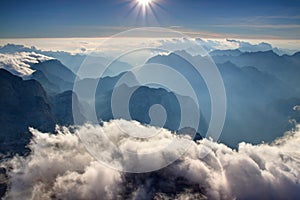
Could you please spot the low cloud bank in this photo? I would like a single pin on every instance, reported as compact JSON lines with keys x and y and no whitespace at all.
{"x":192,"y":46}
{"x":60,"y":167}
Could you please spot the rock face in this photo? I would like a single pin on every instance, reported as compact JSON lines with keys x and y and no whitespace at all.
{"x":50,"y":87}
{"x":285,"y":68}
{"x":260,"y":88}
{"x":54,"y":76}
{"x":141,"y":103}
{"x":23,"y":104}
{"x":61,"y":105}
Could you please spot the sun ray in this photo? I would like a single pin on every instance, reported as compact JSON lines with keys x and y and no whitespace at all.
{"x":145,"y":12}
{"x":144,"y":2}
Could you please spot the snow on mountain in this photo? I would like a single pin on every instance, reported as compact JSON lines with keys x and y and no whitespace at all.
{"x":19,"y":63}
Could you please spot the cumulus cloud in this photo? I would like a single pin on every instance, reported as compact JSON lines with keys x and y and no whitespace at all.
{"x":220,"y":44}
{"x":177,"y":44}
{"x":297,"y":108}
{"x":19,"y":63}
{"x":196,"y":46}
{"x":248,"y":47}
{"x":191,"y":45}
{"x":60,"y":167}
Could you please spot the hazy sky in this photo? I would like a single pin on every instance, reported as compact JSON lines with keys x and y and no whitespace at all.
{"x":262,"y":19}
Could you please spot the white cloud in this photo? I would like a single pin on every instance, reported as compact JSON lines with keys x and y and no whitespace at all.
{"x":195,"y":46}
{"x":297,"y":108}
{"x":191,"y":45}
{"x":77,"y":45}
{"x":247,"y":46}
{"x":19,"y":63}
{"x":60,"y":167}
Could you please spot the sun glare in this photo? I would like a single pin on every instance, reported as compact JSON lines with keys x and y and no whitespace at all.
{"x":144,"y":2}
{"x":145,"y":11}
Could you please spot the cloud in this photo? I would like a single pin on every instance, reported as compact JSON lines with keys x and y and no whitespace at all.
{"x":262,"y":26}
{"x":19,"y":63}
{"x":191,"y":45}
{"x":245,"y":46}
{"x":109,"y":47}
{"x":248,"y":47}
{"x":195,"y":46}
{"x":59,"y":167}
{"x":296,"y":108}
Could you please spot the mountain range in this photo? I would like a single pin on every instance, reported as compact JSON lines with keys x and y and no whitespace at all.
{"x":261,"y":88}
{"x":254,"y":83}
{"x":24,"y":104}
{"x":285,"y":68}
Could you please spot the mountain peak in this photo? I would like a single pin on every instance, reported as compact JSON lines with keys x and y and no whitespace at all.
{"x":230,"y":52}
{"x":7,"y":75}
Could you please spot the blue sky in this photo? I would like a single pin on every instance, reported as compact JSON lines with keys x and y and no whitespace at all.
{"x":272,"y":19}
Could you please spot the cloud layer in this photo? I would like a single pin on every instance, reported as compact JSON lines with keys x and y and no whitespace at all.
{"x":88,"y":45}
{"x":19,"y":63}
{"x":191,"y":45}
{"x":60,"y":167}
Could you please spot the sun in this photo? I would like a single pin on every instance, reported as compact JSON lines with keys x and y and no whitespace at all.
{"x":144,"y":2}
{"x":146,"y":10}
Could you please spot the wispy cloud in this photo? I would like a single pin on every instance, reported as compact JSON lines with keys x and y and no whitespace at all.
{"x":19,"y":63}
{"x":261,"y":26}
{"x":281,"y":17}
